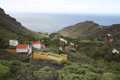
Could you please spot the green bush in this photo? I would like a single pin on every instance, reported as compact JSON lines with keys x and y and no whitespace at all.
{"x":5,"y":63}
{"x":75,"y":77}
{"x":15,"y":63}
{"x":82,"y":71}
{"x":46,"y":68}
{"x":66,"y":62}
{"x":101,"y":63}
{"x":43,"y":73}
{"x":4,"y":71}
{"x":108,"y":76}
{"x":86,"y":66}
{"x":94,"y":76}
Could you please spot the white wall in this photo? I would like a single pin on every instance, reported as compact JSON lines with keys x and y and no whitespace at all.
{"x":38,"y":46}
{"x":12,"y":43}
{"x":20,"y":50}
{"x":30,"y":51}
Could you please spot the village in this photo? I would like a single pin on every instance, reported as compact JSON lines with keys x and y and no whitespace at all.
{"x":38,"y":49}
{"x":35,"y":50}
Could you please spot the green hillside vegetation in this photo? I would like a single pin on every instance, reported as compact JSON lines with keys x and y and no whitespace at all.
{"x":90,"y":61}
{"x":89,"y":30}
{"x":10,"y":28}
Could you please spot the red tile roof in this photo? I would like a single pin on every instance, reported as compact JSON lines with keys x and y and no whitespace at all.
{"x":43,"y":45}
{"x":35,"y":42}
{"x":22,"y":46}
{"x":111,"y":40}
{"x":13,"y":50}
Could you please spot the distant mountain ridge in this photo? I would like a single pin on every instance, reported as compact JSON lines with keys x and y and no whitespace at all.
{"x":89,"y":30}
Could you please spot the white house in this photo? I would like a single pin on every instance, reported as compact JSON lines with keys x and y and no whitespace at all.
{"x":22,"y":48}
{"x":115,"y":51}
{"x":13,"y":42}
{"x":37,"y":45}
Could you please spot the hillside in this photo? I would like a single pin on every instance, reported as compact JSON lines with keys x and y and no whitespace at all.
{"x":10,"y":28}
{"x":90,"y":30}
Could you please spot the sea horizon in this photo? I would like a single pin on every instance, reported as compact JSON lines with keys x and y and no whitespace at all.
{"x":52,"y":22}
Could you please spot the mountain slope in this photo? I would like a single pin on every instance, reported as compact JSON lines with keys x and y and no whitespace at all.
{"x":89,"y":30}
{"x":12,"y":29}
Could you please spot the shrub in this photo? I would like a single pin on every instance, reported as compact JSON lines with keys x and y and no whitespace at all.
{"x":101,"y":63}
{"x":108,"y":76}
{"x":82,"y":71}
{"x":46,"y":68}
{"x":5,"y":63}
{"x":15,"y":63}
{"x":42,"y":73}
{"x":4,"y":70}
{"x":86,"y":66}
{"x":75,"y":77}
{"x":94,"y":76}
{"x":66,"y":62}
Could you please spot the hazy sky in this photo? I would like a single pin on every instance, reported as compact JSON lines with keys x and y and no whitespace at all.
{"x":61,"y":6}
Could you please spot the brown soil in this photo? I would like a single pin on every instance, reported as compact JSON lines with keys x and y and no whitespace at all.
{"x":6,"y":55}
{"x":51,"y":64}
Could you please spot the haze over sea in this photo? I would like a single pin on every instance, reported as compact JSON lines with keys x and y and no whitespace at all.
{"x":54,"y":22}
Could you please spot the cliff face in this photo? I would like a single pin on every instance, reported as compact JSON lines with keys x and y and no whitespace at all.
{"x":90,"y":30}
{"x":10,"y":28}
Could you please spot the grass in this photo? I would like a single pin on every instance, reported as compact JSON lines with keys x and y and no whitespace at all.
{"x":89,"y":41}
{"x":7,"y":34}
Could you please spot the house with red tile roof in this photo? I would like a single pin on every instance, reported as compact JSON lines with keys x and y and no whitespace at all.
{"x":22,"y":48}
{"x":36,"y":45}
{"x":13,"y":42}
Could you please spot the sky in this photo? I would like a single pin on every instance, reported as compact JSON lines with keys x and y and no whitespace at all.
{"x":61,"y":6}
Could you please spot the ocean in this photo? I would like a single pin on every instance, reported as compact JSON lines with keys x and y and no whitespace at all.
{"x":53,"y":22}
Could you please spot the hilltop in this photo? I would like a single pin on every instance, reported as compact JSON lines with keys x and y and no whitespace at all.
{"x":10,"y":28}
{"x":89,"y":30}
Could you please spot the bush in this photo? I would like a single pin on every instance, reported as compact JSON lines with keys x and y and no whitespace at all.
{"x":5,"y":63}
{"x":4,"y":70}
{"x":15,"y":63}
{"x":43,"y":73}
{"x":94,"y":76}
{"x":101,"y":63}
{"x":82,"y":71}
{"x":86,"y":66}
{"x":75,"y":77}
{"x":46,"y":68}
{"x":108,"y":76}
{"x":66,"y":62}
